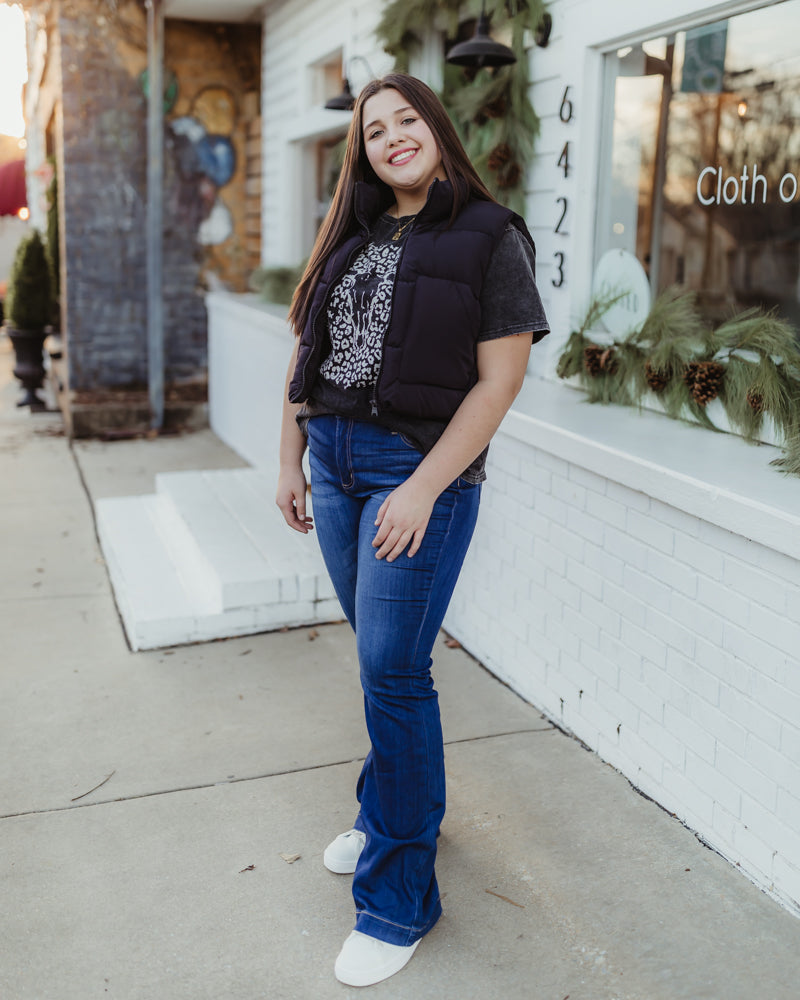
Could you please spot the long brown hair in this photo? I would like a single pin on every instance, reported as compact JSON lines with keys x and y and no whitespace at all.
{"x":340,"y":221}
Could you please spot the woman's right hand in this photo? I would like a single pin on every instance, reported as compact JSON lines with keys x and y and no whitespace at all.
{"x":291,"y":498}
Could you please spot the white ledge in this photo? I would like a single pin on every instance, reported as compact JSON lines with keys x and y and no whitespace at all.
{"x":248,"y":307}
{"x":717,"y":477}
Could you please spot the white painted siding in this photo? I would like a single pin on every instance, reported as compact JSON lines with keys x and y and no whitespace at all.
{"x":296,"y":36}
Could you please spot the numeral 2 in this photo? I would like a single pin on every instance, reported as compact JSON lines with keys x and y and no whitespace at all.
{"x":558,"y":228}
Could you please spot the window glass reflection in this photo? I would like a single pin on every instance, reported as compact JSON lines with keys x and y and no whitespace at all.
{"x":704,"y":165}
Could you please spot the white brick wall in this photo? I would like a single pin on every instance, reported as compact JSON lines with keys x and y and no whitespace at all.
{"x":664,"y":642}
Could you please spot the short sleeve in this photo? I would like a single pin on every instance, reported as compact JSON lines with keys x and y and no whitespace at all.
{"x":510,"y":301}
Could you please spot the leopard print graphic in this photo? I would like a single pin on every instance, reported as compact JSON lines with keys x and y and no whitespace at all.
{"x":358,"y":315}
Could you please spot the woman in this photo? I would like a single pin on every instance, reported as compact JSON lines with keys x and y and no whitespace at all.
{"x":414,"y":322}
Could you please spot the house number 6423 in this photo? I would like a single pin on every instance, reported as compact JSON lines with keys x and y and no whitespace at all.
{"x":566,"y":114}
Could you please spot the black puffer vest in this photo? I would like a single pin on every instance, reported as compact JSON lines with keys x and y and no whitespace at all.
{"x":430,"y":348}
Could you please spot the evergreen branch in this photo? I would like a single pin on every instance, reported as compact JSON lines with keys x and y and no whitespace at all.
{"x":751,"y":362}
{"x":571,"y":361}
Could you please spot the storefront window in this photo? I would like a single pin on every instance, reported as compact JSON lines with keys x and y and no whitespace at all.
{"x":702,"y":170}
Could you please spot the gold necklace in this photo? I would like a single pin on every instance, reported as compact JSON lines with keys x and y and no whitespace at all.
{"x":401,"y":229}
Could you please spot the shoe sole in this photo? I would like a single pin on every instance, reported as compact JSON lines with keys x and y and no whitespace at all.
{"x":388,"y":970}
{"x":338,"y":867}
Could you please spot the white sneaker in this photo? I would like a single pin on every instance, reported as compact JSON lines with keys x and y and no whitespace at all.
{"x":341,"y":856}
{"x":365,"y":960}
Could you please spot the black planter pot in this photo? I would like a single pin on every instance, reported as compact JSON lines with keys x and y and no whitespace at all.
{"x":29,"y":369}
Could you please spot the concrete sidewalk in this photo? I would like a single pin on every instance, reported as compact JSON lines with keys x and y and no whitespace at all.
{"x":222,"y":761}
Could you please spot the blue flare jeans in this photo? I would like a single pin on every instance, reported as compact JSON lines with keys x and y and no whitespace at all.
{"x":396,"y":610}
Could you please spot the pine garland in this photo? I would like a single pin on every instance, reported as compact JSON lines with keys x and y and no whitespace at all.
{"x":751,"y":363}
{"x":490,"y":108}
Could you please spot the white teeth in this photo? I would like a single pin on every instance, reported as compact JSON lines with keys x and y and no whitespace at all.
{"x":402,"y":157}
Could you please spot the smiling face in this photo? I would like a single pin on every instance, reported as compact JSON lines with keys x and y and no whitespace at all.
{"x":401,"y":149}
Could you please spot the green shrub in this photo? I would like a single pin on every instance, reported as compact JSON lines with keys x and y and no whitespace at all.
{"x":28,"y":301}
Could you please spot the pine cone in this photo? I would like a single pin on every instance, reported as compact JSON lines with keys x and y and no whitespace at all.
{"x":656,"y":378}
{"x":499,"y":156}
{"x":496,"y":108}
{"x":756,"y":400}
{"x":608,"y":361}
{"x":509,"y":176}
{"x":704,"y":379}
{"x":599,"y":359}
{"x":690,"y":373}
{"x":591,"y":359}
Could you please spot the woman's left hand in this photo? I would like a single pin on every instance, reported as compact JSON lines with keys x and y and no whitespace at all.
{"x":402,"y":519}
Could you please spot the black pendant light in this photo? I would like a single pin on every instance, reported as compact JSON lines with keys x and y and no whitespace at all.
{"x":344,"y":101}
{"x":481,"y":50}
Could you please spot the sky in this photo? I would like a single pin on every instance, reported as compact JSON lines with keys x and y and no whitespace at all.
{"x":13,"y":69}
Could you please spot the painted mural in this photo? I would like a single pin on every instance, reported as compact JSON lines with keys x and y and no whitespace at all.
{"x":209,"y":72}
{"x":207,"y":154}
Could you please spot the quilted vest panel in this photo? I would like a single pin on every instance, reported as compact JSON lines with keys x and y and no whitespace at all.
{"x":430,"y":348}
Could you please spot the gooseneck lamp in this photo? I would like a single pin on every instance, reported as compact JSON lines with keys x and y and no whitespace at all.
{"x":481,"y":50}
{"x":346,"y":100}
{"x":342,"y":102}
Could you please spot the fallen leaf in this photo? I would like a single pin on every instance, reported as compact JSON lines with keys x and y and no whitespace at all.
{"x":452,"y":643}
{"x":290,"y":858}
{"x":312,"y":634}
{"x":250,"y":868}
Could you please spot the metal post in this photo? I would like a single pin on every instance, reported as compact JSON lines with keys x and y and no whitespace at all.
{"x":155,"y":210}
